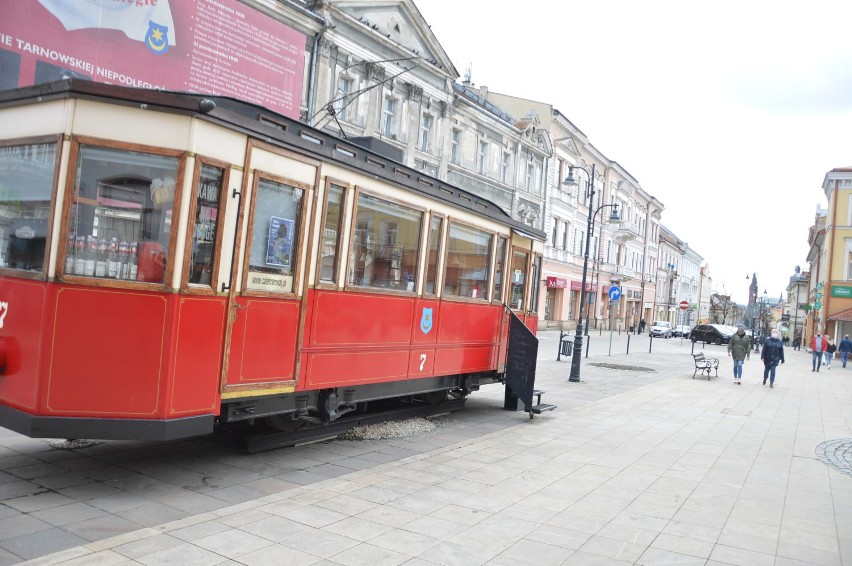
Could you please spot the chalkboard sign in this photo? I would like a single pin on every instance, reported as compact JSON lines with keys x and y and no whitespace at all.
{"x":521,"y":356}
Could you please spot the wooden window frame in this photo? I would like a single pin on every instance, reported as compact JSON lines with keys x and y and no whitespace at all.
{"x":298,"y":243}
{"x":198,"y":288}
{"x":341,"y":236}
{"x":490,"y":262}
{"x":73,"y":161}
{"x":43,"y":274}
{"x":349,"y":287}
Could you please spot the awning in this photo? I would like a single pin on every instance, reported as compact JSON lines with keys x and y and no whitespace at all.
{"x":556,"y":282}
{"x":844,"y":316}
{"x":576,"y":286}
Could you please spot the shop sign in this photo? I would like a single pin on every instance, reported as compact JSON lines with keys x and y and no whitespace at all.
{"x":841,"y":291}
{"x":557,"y":282}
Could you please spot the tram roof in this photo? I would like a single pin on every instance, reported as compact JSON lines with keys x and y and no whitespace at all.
{"x":272,"y":127}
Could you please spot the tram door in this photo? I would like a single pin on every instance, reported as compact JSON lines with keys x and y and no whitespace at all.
{"x":265,"y":301}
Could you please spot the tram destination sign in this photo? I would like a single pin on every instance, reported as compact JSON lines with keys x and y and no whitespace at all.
{"x":218,"y":47}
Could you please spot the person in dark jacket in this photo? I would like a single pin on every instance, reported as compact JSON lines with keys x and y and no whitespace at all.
{"x":739,"y":348}
{"x":845,"y":349}
{"x":772,"y":354}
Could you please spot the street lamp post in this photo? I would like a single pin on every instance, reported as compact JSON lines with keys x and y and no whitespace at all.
{"x":590,"y":226}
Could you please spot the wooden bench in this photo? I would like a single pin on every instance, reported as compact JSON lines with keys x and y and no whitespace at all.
{"x":704,"y":365}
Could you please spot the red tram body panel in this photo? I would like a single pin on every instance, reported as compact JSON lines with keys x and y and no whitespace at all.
{"x":174,"y":291}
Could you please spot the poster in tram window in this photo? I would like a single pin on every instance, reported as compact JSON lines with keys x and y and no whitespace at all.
{"x":207,"y":46}
{"x":279,"y":247}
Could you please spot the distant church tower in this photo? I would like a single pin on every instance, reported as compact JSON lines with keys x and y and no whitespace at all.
{"x":752,"y":291}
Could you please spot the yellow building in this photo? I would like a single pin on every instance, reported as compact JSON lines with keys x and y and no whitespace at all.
{"x":830,"y":290}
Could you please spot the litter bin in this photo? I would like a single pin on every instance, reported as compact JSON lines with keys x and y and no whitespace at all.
{"x":565,"y":344}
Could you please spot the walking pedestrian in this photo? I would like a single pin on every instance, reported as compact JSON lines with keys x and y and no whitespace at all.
{"x":845,"y":349}
{"x":739,"y":348}
{"x":642,"y":324}
{"x":772,"y":354}
{"x":818,"y":346}
{"x":829,"y":351}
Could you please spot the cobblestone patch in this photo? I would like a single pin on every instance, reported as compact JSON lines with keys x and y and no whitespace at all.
{"x":837,"y":453}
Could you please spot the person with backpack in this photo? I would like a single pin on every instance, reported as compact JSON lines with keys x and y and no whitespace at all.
{"x":829,"y":351}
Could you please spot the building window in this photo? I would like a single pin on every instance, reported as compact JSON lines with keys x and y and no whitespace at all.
{"x":426,"y":132}
{"x":849,"y":260}
{"x":530,"y":179}
{"x":504,"y":168}
{"x":455,"y":141}
{"x":482,"y":158}
{"x":565,"y":237}
{"x":341,"y":105}
{"x":389,"y":118}
{"x":555,"y":231}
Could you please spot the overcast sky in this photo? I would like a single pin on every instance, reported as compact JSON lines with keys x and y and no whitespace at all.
{"x":729,"y":112}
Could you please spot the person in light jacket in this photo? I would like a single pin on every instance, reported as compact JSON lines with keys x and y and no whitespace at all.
{"x":818,"y":346}
{"x":829,"y":351}
{"x":772,"y":354}
{"x":739,"y":348}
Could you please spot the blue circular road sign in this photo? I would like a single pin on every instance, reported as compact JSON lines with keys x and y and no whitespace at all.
{"x":614,"y":293}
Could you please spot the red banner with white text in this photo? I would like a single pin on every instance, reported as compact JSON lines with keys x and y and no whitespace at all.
{"x":220,"y":47}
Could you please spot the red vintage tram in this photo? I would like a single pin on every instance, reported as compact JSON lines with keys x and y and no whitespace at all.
{"x":170,"y":263}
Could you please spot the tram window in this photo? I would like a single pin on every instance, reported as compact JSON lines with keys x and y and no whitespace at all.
{"x":433,"y":252}
{"x":499,"y":268}
{"x":331,"y":234}
{"x":26,"y":182}
{"x":206,"y":225}
{"x":385,"y":247}
{"x":536,"y":281}
{"x":519,"y":277}
{"x":466,"y":273}
{"x":121,"y":215}
{"x":275,"y":237}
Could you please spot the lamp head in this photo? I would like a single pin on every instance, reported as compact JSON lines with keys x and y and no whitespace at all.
{"x":614,"y":218}
{"x":570,"y":180}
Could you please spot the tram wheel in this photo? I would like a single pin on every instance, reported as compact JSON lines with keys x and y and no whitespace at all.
{"x":433,"y":397}
{"x":283,"y":423}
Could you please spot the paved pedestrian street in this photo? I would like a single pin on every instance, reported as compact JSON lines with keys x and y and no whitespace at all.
{"x":640,"y":464}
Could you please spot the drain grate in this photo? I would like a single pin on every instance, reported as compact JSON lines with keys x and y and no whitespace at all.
{"x":837,"y":453}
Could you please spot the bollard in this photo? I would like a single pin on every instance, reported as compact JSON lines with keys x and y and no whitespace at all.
{"x":588,"y":342}
{"x":628,"y":343}
{"x":650,"y":342}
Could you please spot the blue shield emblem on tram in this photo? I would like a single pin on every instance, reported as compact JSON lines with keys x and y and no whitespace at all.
{"x":426,"y":320}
